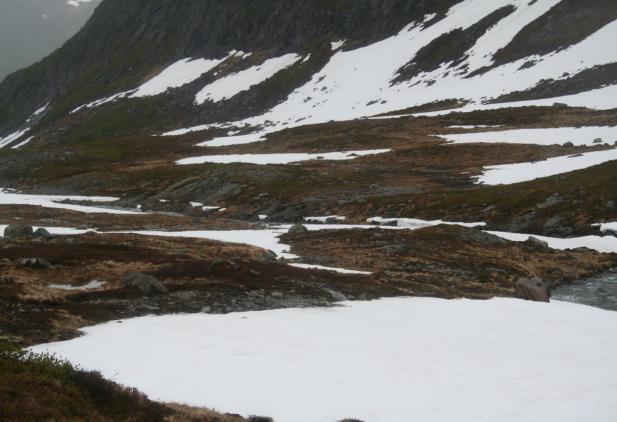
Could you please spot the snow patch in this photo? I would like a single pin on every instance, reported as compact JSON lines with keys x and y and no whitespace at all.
{"x":94,"y":284}
{"x":546,"y":136}
{"x":287,"y":158}
{"x":506,"y":174}
{"x":427,"y":359}
{"x":180,"y":73}
{"x":231,"y":85}
{"x":604,"y":244}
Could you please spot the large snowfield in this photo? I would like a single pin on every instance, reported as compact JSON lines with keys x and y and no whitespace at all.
{"x":403,"y":359}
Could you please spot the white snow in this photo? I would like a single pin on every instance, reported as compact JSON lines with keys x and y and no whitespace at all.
{"x":419,"y":359}
{"x":548,"y":136}
{"x":335,"y":45}
{"x":94,"y":284}
{"x":77,"y":2}
{"x":54,"y":201}
{"x":22,"y":143}
{"x":284,"y":158}
{"x":521,"y":172}
{"x":604,"y":98}
{"x":414,"y":223}
{"x":101,"y":101}
{"x":180,"y":73}
{"x":471,"y":127}
{"x":608,"y":227}
{"x":231,"y":85}
{"x":12,"y":137}
{"x":324,"y":219}
{"x":262,"y":217}
{"x":604,"y":244}
{"x":225,"y":141}
{"x":333,"y":269}
{"x":358,"y":83}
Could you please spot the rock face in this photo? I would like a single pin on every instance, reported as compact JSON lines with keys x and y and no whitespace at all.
{"x":17,"y":231}
{"x":144,"y":283}
{"x":532,"y":289}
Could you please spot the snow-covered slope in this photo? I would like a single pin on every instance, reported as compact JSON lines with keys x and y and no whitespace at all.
{"x":363,"y":82}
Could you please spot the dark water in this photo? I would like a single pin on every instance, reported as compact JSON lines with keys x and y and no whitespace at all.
{"x":599,"y":291}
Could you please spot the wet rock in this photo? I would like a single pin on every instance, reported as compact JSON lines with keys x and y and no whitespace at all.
{"x":535,"y":242}
{"x":532,"y":289}
{"x":269,"y":257}
{"x":144,"y":283}
{"x":568,"y":144}
{"x":42,"y":233}
{"x":36,"y":263}
{"x":297,"y":229}
{"x":18,"y":231}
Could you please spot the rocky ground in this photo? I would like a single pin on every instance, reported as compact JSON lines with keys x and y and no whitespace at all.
{"x":53,"y":285}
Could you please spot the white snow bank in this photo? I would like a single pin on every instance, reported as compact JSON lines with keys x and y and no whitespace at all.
{"x":608,"y":227}
{"x":420,"y":359}
{"x":604,"y":98}
{"x":12,"y":137}
{"x":101,"y":101}
{"x":23,"y":143}
{"x":604,"y":244}
{"x":414,"y":223}
{"x":77,"y":2}
{"x":333,"y":269}
{"x":53,"y":201}
{"x":522,"y":172}
{"x":231,"y":85}
{"x":180,"y":73}
{"x":471,"y":127}
{"x":284,"y":158}
{"x":548,"y":136}
{"x":94,"y":284}
{"x":225,"y":141}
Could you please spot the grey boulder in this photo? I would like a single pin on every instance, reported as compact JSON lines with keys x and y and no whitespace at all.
{"x":144,"y":283}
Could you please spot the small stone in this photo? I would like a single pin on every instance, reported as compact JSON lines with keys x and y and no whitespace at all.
{"x":5,"y":261}
{"x":568,"y":144}
{"x":532,"y":289}
{"x":42,"y":233}
{"x":534,"y":241}
{"x":597,"y":141}
{"x":144,"y":283}
{"x":560,"y":105}
{"x":297,"y":229}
